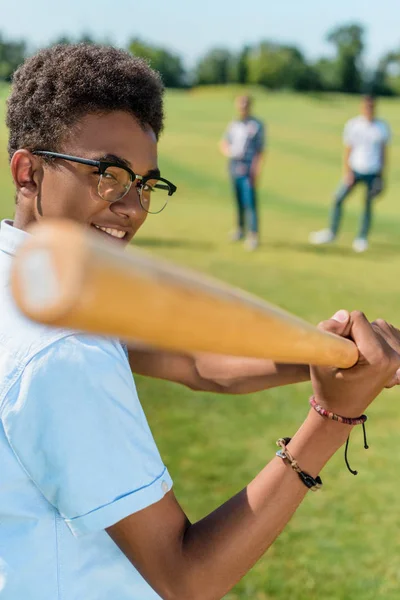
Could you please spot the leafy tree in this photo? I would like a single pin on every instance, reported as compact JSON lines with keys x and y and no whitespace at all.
{"x":280,"y":66}
{"x":12,"y":54}
{"x":327,"y":72}
{"x":240,"y":66}
{"x":349,"y":43}
{"x":385,"y":80}
{"x":216,"y":67}
{"x":168,"y":64}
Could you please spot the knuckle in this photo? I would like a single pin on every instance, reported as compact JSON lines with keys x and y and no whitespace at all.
{"x":382,"y":324}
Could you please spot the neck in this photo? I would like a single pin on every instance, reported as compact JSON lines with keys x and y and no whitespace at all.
{"x":22,"y":221}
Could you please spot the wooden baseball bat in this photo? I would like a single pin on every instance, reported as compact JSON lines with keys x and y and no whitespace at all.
{"x":67,"y":276}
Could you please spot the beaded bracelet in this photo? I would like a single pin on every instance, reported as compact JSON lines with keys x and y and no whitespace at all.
{"x":334,"y":417}
{"x":347,"y":421}
{"x":306,"y":478}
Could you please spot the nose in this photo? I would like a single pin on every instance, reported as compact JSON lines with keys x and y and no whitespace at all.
{"x":129,"y":207}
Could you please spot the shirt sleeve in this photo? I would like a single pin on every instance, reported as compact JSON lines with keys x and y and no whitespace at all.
{"x":75,"y":423}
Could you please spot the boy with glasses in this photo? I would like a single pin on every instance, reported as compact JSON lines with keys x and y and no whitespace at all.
{"x":87,"y":509}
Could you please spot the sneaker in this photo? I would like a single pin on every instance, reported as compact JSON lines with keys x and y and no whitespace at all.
{"x":236,"y":235}
{"x":251,"y":242}
{"x":360,"y":245}
{"x":325,"y":236}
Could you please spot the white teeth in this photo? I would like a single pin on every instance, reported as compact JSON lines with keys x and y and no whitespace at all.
{"x":113,"y":232}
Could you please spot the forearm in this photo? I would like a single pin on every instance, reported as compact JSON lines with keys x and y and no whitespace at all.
{"x":236,"y":375}
{"x":257,"y":164}
{"x":346,"y":165}
{"x":222,"y":547}
{"x":384,"y":160}
{"x":224,"y":147}
{"x":214,"y":372}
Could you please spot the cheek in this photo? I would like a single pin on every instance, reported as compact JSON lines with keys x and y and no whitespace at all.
{"x":142,"y":219}
{"x":65,"y":195}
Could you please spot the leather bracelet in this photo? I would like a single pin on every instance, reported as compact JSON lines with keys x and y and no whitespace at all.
{"x":313,"y":484}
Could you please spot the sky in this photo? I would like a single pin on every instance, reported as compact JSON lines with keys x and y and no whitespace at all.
{"x":191,"y":28}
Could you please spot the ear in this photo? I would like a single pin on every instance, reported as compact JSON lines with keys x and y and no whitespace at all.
{"x":27,"y":172}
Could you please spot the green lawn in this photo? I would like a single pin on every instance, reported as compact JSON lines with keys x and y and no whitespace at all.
{"x":344,"y":542}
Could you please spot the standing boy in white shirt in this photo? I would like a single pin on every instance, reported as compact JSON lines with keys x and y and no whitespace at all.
{"x":365,"y":139}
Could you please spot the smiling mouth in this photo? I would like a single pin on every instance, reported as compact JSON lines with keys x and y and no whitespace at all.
{"x":116,"y":234}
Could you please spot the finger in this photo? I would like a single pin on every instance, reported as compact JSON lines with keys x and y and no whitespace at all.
{"x":373,"y":347}
{"x":340,"y":324}
{"x":381,"y":330}
{"x":388,"y":332}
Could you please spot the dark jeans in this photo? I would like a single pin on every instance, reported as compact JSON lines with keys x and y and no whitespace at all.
{"x":371,"y":182}
{"x":246,"y":200}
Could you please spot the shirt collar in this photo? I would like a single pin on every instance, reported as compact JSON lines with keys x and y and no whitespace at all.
{"x":11,"y":238}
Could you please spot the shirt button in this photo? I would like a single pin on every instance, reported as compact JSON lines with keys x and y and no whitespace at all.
{"x":164,"y":487}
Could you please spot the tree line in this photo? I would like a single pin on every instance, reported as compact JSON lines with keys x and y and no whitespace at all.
{"x":269,"y":64}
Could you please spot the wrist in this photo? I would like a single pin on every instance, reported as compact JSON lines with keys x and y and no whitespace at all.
{"x":344,"y":409}
{"x":317,"y":440}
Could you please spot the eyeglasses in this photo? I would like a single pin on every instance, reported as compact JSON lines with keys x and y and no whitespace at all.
{"x":115,"y":181}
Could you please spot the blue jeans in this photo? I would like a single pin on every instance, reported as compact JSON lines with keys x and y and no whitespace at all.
{"x":245,"y":194}
{"x":371,"y":183}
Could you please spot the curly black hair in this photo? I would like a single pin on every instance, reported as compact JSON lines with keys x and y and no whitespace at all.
{"x":59,"y":85}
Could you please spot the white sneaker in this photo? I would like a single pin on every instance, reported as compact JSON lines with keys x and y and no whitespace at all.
{"x":236,"y":235}
{"x":360,"y":245}
{"x":325,"y":236}
{"x":251,"y":242}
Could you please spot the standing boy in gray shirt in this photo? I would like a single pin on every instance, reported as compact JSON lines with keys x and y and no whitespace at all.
{"x":244,"y":144}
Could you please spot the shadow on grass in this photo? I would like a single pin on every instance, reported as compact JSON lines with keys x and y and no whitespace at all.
{"x":154,"y":242}
{"x":377,"y":250}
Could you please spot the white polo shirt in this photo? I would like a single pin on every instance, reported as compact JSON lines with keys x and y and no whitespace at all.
{"x":76,"y":456}
{"x":366,"y":139}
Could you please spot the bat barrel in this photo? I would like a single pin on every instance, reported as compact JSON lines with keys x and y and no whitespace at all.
{"x":68,"y":277}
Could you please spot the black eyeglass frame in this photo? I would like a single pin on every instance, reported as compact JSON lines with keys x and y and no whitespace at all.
{"x":103,"y":165}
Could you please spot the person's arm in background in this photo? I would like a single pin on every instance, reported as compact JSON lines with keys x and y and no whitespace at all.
{"x":204,"y":560}
{"x":348,"y":175}
{"x":225,"y":143}
{"x":215,"y":373}
{"x":380,"y":182}
{"x":259,"y":158}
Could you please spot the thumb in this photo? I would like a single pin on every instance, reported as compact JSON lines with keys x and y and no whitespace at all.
{"x":340,"y":323}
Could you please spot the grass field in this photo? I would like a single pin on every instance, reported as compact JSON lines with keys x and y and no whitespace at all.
{"x":344,"y":542}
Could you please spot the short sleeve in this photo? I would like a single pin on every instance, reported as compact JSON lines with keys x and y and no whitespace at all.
{"x":75,"y":423}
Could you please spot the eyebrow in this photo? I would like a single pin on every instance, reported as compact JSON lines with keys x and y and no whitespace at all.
{"x":115,"y":159}
{"x":125,"y":163}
